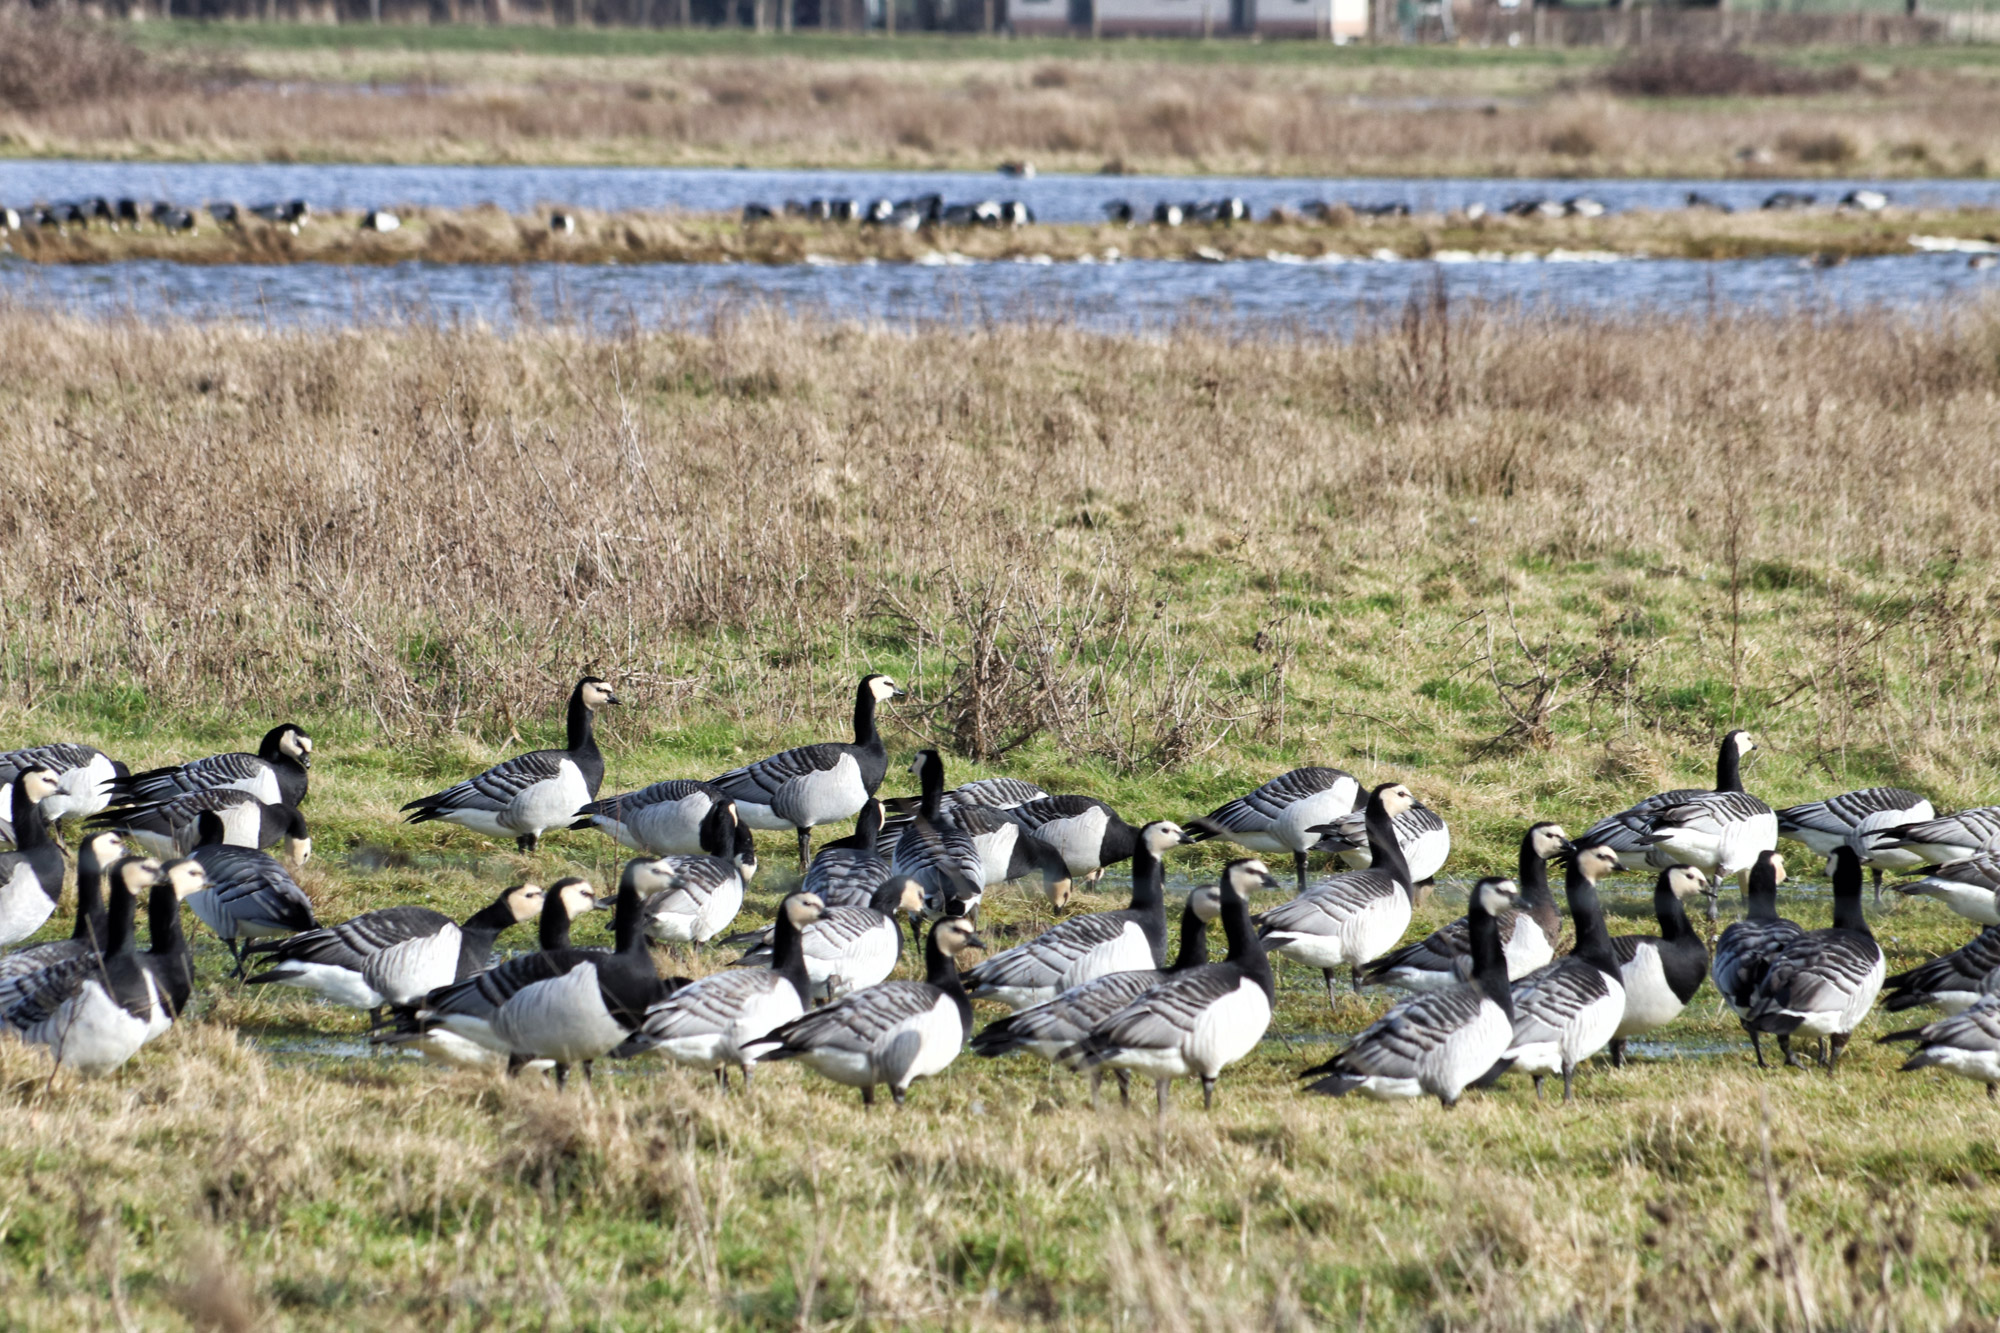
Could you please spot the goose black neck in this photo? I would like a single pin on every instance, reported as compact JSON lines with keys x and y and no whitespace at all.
{"x":1246,"y":951}
{"x":1593,"y":941}
{"x":124,"y":908}
{"x":868,"y":827}
{"x":479,"y":933}
{"x":91,"y":921}
{"x":30,"y":831}
{"x":582,"y":734}
{"x":163,"y":922}
{"x":1532,"y":874}
{"x":1489,"y":958}
{"x":788,"y":956}
{"x":552,"y":931}
{"x":1669,"y":911}
{"x":931,"y":773}
{"x":1761,"y":892}
{"x":628,"y":920}
{"x":1847,"y":913}
{"x":1194,"y":941}
{"x":1728,"y":766}
{"x":1149,"y":898}
{"x":866,"y":736}
{"x":1384,"y":852}
{"x":941,"y":970}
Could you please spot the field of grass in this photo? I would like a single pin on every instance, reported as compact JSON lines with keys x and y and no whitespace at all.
{"x":1531,"y":568}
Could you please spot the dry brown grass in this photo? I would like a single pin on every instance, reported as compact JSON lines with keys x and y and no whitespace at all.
{"x":49,"y":60}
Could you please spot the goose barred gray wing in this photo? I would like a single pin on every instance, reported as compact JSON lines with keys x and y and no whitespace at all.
{"x":1044,"y":961}
{"x":480,"y":995}
{"x":766,"y":782}
{"x":663,"y":818}
{"x":997,"y":793}
{"x":249,"y":895}
{"x":1445,"y":952}
{"x":1629,"y":832}
{"x":1954,"y":981}
{"x":945,"y":861}
{"x":1852,"y":811}
{"x":1053,"y":1027}
{"x":1548,"y":1001}
{"x":1417,"y":1040}
{"x":1743,"y":955}
{"x":1164,"y":1016}
{"x":854,"y":1023}
{"x":1966,"y":1044}
{"x":38,"y":997}
{"x":714,"y":1004}
{"x":1257,"y":811}
{"x":86,"y":777}
{"x":351,"y":943}
{"x":496,"y":788}
{"x":1349,"y":833}
{"x":702,"y":895}
{"x":1711,"y":810}
{"x":38,"y":956}
{"x":1825,"y":972}
{"x":1967,"y":887}
{"x":1952,"y":837}
{"x":845,"y":876}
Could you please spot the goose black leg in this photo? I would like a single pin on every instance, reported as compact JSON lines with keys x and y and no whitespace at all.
{"x":1299,"y":864}
{"x":1715,"y":898}
{"x":1160,"y":1094}
{"x":1096,"y":1082}
{"x":868,"y":1095}
{"x":897,"y":1094}
{"x":526,"y":842}
{"x":1354,"y":977}
{"x":514,"y":1063}
{"x":1757,"y":1045}
{"x":1331,"y":1003}
{"x":1617,"y":1052}
{"x":1208,"y":1094}
{"x":1124,"y":1077}
{"x":1819,"y":1054}
{"x":722,"y":1077}
{"x":1878,"y":885}
{"x":1785,"y":1046}
{"x":1991,"y":1095}
{"x":746,"y":1078}
{"x":1839,"y":1045}
{"x":1569,"y":1082}
{"x":590,"y":1071}
{"x":805,"y":847}
{"x":1538,"y":1086}
{"x":562,"y":1076}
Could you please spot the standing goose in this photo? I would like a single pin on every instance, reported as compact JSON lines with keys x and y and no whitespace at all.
{"x":395,"y":955}
{"x":848,"y":871}
{"x":1629,"y":832}
{"x":1421,"y":834}
{"x":94,"y":1013}
{"x":894,"y":1033}
{"x":94,"y":856}
{"x":1085,"y":832}
{"x":170,"y":828}
{"x":1083,"y":948}
{"x":661,"y":820}
{"x":1967,"y":887}
{"x":85,"y":779}
{"x":1744,"y":951}
{"x":698,"y":896}
{"x":1280,"y":816}
{"x":1954,"y":982}
{"x":1566,"y":1012}
{"x":31,"y":876}
{"x":1720,"y":832}
{"x":1661,"y":972}
{"x":1528,"y":929}
{"x":167,"y":959}
{"x":943,"y":859}
{"x":1966,"y":1044}
{"x":534,"y":792}
{"x":277,"y":773}
{"x":991,"y":793}
{"x":1438,"y":1042}
{"x":1056,"y":1026}
{"x":1941,"y":841}
{"x":1824,"y":982}
{"x":1356,"y":917}
{"x":248,"y":896}
{"x":711,"y":1023}
{"x":1850,"y":818}
{"x":850,"y":948}
{"x":816,"y":784}
{"x":1197,"y":1022}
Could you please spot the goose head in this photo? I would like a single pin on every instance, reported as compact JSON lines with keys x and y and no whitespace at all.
{"x":1246,"y":876}
{"x":1162,"y":836}
{"x":1778,"y":872}
{"x":595,"y":693}
{"x":100,"y":850}
{"x":291,"y":742}
{"x":187,"y":876}
{"x":298,"y":840}
{"x":1547,"y":840}
{"x":1741,"y":741}
{"x":1495,"y":895}
{"x":38,"y":784}
{"x":578,"y":897}
{"x":910,"y":898}
{"x":1395,"y":798}
{"x":924,"y":757}
{"x":802,"y":909}
{"x":137,"y":874}
{"x":882,"y":689}
{"x":1594,"y":862}
{"x":524,"y":901}
{"x":954,"y":935}
{"x":1684,"y":882}
{"x":1206,"y":902}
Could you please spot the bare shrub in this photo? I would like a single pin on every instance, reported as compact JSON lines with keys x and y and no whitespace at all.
{"x":1832,"y":148}
{"x":1712,"y":71}
{"x":51,"y":60}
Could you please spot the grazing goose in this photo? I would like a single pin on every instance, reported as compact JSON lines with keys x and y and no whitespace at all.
{"x":97,"y":853}
{"x":1356,"y":917}
{"x":1744,"y":951}
{"x":169,"y":828}
{"x":397,"y":955}
{"x":1279,"y":816}
{"x":249,"y":896}
{"x":944,"y":859}
{"x":1083,"y":948}
{"x":1197,"y":1022}
{"x":1420,"y":833}
{"x":1629,"y":832}
{"x":1661,"y":972}
{"x":1720,"y":832}
{"x":1053,"y":1028}
{"x":534,"y":792}
{"x":661,"y":820}
{"x":1528,"y":929}
{"x":1941,"y":841}
{"x":1966,"y":1044}
{"x":894,"y":1033}
{"x":1007,"y":851}
{"x":94,"y":1012}
{"x":1850,"y":817}
{"x":1438,"y":1042}
{"x":31,"y":876}
{"x":1967,"y":887}
{"x":698,"y":896}
{"x":848,"y":871}
{"x":1566,"y":1012}
{"x":85,"y":779}
{"x":1086,"y":832}
{"x":711,"y":1023}
{"x":1824,"y":982}
{"x":277,"y":773}
{"x":816,"y":784}
{"x":1954,"y":983}
{"x":849,"y":948}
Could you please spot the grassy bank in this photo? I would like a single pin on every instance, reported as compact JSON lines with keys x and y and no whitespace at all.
{"x":1531,"y":569}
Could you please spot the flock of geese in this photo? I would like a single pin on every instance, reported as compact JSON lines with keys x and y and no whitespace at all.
{"x":1486,"y":994}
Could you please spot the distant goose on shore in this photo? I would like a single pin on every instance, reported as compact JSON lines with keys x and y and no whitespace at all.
{"x":1528,"y":928}
{"x":800,"y":789}
{"x":1354,"y":918}
{"x":170,"y":828}
{"x":534,"y":792}
{"x":31,"y":876}
{"x":1421,"y":833}
{"x":1745,"y":948}
{"x":1954,"y":982}
{"x":86,"y":778}
{"x":1199,"y":1022}
{"x":1966,"y":1044}
{"x":894,"y":1033}
{"x":692,"y":899}
{"x":849,"y":948}
{"x":1966,"y":887}
{"x":1568,"y":1011}
{"x":1661,"y":972}
{"x":1083,"y":948}
{"x":248,"y":896}
{"x":1278,"y":817}
{"x":1850,"y":818}
{"x":1824,"y":982}
{"x":277,"y":774}
{"x":1630,"y":831}
{"x":1438,"y":1042}
{"x":663,"y":819}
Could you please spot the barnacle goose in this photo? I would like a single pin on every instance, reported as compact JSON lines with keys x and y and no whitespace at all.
{"x":168,"y":829}
{"x":1279,"y":816}
{"x":1850,"y":817}
{"x":1083,"y":948}
{"x":1528,"y":929}
{"x":96,"y":854}
{"x":1421,"y":833}
{"x":85,"y":777}
{"x":167,"y":958}
{"x":1436,"y":1043}
{"x":534,"y":792}
{"x":1629,"y":832}
{"x":31,"y":876}
{"x":1054,"y":1028}
{"x":277,"y":773}
{"x":1087,"y":833}
{"x":1720,"y":832}
{"x":1824,"y":982}
{"x":894,"y":1033}
{"x":1967,"y":887}
{"x":1966,"y":1044}
{"x":1954,"y":837}
{"x":711,"y":1023}
{"x":249,"y":896}
{"x":848,"y":871}
{"x":1356,"y":917}
{"x":1567,"y":1011}
{"x":1197,"y":1022}
{"x":816,"y":784}
{"x":661,"y":820}
{"x":397,"y":955}
{"x":1661,"y":972}
{"x":992,"y":793}
{"x":1745,"y":948}
{"x":1954,"y":982}
{"x":941,"y":857}
{"x":849,"y":948}
{"x":698,"y":896}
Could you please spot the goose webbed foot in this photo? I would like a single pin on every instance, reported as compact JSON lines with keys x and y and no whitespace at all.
{"x":1299,"y":864}
{"x":805,"y":848}
{"x":527,"y":842}
{"x":1331,"y":1001}
{"x":1538,"y":1086}
{"x":1569,"y":1084}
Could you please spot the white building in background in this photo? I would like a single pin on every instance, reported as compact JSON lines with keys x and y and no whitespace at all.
{"x":1336,"y":20}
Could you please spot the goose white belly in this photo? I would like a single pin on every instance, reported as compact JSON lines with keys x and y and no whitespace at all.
{"x":455,"y":1033}
{"x":342,"y":985}
{"x":996,"y":852}
{"x":1425,"y":855}
{"x":90,"y":1032}
{"x":1128,"y":951}
{"x":1723,"y":850}
{"x":668,"y":828}
{"x":1981,"y":1065}
{"x":24,"y":907}
{"x":1263,"y":841}
{"x":1228,"y":1029}
{"x":410,"y":969}
{"x":1365,"y":934}
{"x":550,"y":803}
{"x":1831,"y":1022}
{"x":1288,"y":831}
{"x":1649,"y":1001}
{"x":700,"y":922}
{"x":1468,"y":1053}
{"x":445,"y":1047}
{"x":758,"y":1015}
{"x":913,"y":1049}
{"x":561,"y":1019}
{"x":1527,"y":948}
{"x":1955,"y":1000}
{"x":869,"y":958}
{"x":1968,"y":900}
{"x":1078,"y":839}
{"x":823,"y":796}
